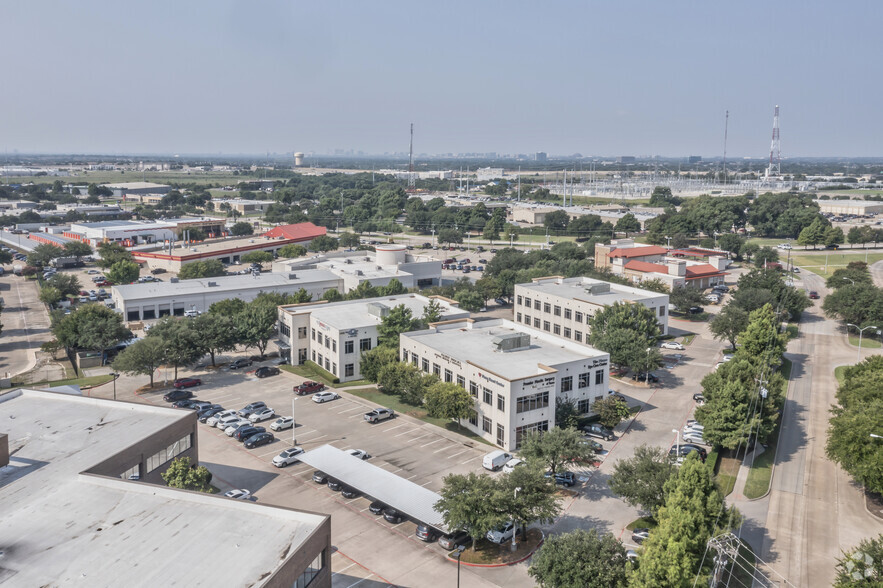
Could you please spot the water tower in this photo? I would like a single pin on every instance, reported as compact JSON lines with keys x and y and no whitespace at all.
{"x":298,"y":159}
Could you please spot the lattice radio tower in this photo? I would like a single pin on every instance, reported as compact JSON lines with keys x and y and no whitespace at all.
{"x":775,"y":166}
{"x":412,"y":182}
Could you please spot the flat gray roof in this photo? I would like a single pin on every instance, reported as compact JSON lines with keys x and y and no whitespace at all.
{"x":353,"y":314}
{"x":60,"y":527}
{"x":124,"y":224}
{"x":266,"y":281}
{"x":577,"y":289}
{"x":408,"y":498}
{"x":475,"y":345}
{"x":137,"y":185}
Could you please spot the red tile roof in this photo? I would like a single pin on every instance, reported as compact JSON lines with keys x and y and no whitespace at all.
{"x":645,"y":266}
{"x":296,"y":232}
{"x":630,"y":252}
{"x":705,"y":270}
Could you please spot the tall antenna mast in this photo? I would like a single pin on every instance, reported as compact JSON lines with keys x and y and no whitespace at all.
{"x":726,"y":126}
{"x":775,"y":167}
{"x":411,"y":179}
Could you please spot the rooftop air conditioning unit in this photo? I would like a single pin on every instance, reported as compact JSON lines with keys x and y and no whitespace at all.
{"x":292,"y":276}
{"x":211,"y":284}
{"x":173,"y":280}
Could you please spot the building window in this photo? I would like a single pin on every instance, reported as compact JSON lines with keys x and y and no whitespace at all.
{"x":473,"y":420}
{"x":313,"y":333}
{"x":347,"y":346}
{"x":461,"y":381}
{"x":517,"y":317}
{"x":314,"y":355}
{"x":557,"y":310}
{"x":532,"y":402}
{"x":567,"y":332}
{"x":311,"y":572}
{"x":301,"y":332}
{"x":547,"y":307}
{"x":167,"y":454}
{"x":436,"y":369}
{"x":578,"y":336}
{"x":334,"y":368}
{"x":584,"y":380}
{"x":527,"y":301}
{"x":501,"y":434}
{"x":348,"y":370}
{"x":327,"y":364}
{"x":599,"y":377}
{"x":501,"y":403}
{"x":405,"y":355}
{"x":473,"y":389}
{"x":284,"y":328}
{"x":415,"y":359}
{"x":556,"y":329}
{"x":568,"y":314}
{"x":578,"y":316}
{"x":566,"y":384}
{"x":584,"y":406}
{"x":486,"y":424}
{"x":365,"y":344}
{"x":319,"y":338}
{"x":321,"y":360}
{"x":527,"y":320}
{"x":449,"y":375}
{"x":546,"y":326}
{"x":424,"y":365}
{"x":537,"y":305}
{"x":536,"y":322}
{"x":520,"y":432}
{"x":518,"y":300}
{"x":334,"y":345}
{"x":487,"y":396}
{"x":327,"y":342}
{"x":661,"y":311}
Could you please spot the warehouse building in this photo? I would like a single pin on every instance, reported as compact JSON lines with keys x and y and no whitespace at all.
{"x":121,"y":190}
{"x":516,"y":374}
{"x":334,"y":335}
{"x":240,"y":205}
{"x":856,"y":207}
{"x":82,"y":503}
{"x":126,"y":232}
{"x":563,"y":306}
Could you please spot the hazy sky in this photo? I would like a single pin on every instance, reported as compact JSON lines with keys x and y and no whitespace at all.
{"x":605,"y":77}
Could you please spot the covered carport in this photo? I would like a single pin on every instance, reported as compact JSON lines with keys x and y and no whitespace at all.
{"x":410,"y":499}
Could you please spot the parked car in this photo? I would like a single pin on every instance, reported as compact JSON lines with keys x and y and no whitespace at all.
{"x":379,"y":414}
{"x":260,"y":439}
{"x":562,"y":478}
{"x":248,"y":409}
{"x":234,"y":426}
{"x":426,"y":533}
{"x":266,"y":371}
{"x":240,"y":363}
{"x":392,"y":515}
{"x":213,"y":420}
{"x":813,"y":295}
{"x":685,"y":449}
{"x":502,"y":533}
{"x":640,"y":534}
{"x":377,"y":507}
{"x":334,"y":484}
{"x":187,"y":382}
{"x":183,"y":404}
{"x":454,"y":540}
{"x":241,"y":494}
{"x":288,"y":457}
{"x":693,"y":437}
{"x":598,"y":430}
{"x":348,"y":492}
{"x":308,"y":387}
{"x":176,"y":395}
{"x":320,"y":477}
{"x":512,"y":464}
{"x":282,"y":423}
{"x":360,"y":453}
{"x":720,"y":288}
{"x":262,"y":414}
{"x":208,"y":411}
{"x":644,"y":376}
{"x":246,"y":432}
{"x":784,"y":246}
{"x":228,"y":421}
{"x":728,"y":357}
{"x":696,"y":310}
{"x":325,"y":396}
{"x":672,"y":345}
{"x":699,"y":399}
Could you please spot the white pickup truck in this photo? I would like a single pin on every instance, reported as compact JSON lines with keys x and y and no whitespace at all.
{"x":379,"y":414}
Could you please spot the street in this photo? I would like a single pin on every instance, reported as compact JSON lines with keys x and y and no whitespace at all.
{"x":25,"y":324}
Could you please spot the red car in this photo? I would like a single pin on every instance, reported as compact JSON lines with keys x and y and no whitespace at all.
{"x":308,"y":387}
{"x":813,"y":295}
{"x":187,"y":382}
{"x":103,"y":283}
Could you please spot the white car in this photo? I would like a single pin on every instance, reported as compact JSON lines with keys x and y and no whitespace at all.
{"x":728,"y":357}
{"x":282,"y":423}
{"x":213,"y":420}
{"x":672,"y":345}
{"x":785,"y":246}
{"x":326,"y":396}
{"x":511,"y":465}
{"x":227,"y":421}
{"x":241,"y":494}
{"x":287,"y":457}
{"x":693,"y":438}
{"x":360,"y":453}
{"x":262,"y":415}
{"x":231,"y":428}
{"x":502,"y":533}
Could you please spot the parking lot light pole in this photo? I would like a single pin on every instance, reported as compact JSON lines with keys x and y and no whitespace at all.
{"x":677,"y":443}
{"x":514,"y":528}
{"x":115,"y":376}
{"x":860,"y":333}
{"x":460,"y":550}
{"x":293,"y":422}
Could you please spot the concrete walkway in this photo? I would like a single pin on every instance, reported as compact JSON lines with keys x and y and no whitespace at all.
{"x":742,"y":477}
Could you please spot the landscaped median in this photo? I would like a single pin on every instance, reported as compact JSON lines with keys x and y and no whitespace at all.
{"x":487,"y":554}
{"x":86,"y":382}
{"x":758,"y":482}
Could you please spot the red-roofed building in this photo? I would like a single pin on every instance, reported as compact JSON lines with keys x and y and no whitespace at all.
{"x":297,"y":233}
{"x":626,"y":249}
{"x":647,"y":262}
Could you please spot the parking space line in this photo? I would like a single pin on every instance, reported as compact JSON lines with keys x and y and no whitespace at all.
{"x":405,"y":433}
{"x":350,"y":410}
{"x":317,"y":438}
{"x":456,"y":454}
{"x":411,"y":476}
{"x":442,"y":449}
{"x":395,"y":427}
{"x":470,"y":459}
{"x":359,"y":582}
{"x":358,"y":415}
{"x":398,"y":470}
{"x":343,"y":570}
{"x":307,"y":433}
{"x":420,"y":437}
{"x":433,"y":442}
{"x":424,"y":484}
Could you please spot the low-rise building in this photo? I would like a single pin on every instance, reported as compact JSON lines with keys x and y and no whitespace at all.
{"x":334,"y":335}
{"x":516,"y":374}
{"x":122,"y":189}
{"x":82,"y":502}
{"x":627,"y":249}
{"x":622,"y":257}
{"x":240,"y":205}
{"x":563,"y":306}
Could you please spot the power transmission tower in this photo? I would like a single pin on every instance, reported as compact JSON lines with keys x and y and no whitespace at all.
{"x":775,"y":166}
{"x":726,"y":127}
{"x":411,"y":179}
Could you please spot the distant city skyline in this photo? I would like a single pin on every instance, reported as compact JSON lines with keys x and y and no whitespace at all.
{"x":630,"y":78}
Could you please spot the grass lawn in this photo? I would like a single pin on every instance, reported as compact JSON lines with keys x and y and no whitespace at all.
{"x":770,"y":242}
{"x":82,"y":382}
{"x":642,"y":523}
{"x":312,"y":371}
{"x":377,"y":397}
{"x":840,"y":373}
{"x":491,"y":553}
{"x":786,"y":368}
{"x":726,"y":474}
{"x":867,"y":342}
{"x":792,"y":331}
{"x":758,"y":482}
{"x":688,"y":339}
{"x":816,"y":263}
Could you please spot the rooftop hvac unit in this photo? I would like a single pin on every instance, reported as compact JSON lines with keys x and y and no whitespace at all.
{"x":348,"y":260}
{"x":211,"y":284}
{"x":511,"y":341}
{"x":359,"y":273}
{"x":173,"y":280}
{"x":292,"y":276}
{"x":600,"y":288}
{"x":377,"y":309}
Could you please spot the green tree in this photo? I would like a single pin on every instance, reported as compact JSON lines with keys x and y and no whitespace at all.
{"x":449,"y":401}
{"x":860,"y":304}
{"x":188,"y":476}
{"x":627,"y":224}
{"x":398,"y":321}
{"x":491,"y":231}
{"x":43,"y":254}
{"x":611,"y":410}
{"x":373,"y":361}
{"x":765,"y":256}
{"x":111,"y":253}
{"x":256,"y":325}
{"x":465,"y":504}
{"x":349,"y":240}
{"x":727,"y":325}
{"x":216,"y":332}
{"x":229,"y":307}
{"x":525,"y":495}
{"x":393,"y":288}
{"x":332,"y":295}
{"x":761,"y":338}
{"x":5,"y":257}
{"x":640,"y":480}
{"x":732,"y":243}
{"x":432,"y":312}
{"x":448,"y":236}
{"x":291,"y":251}
{"x":580,"y":559}
{"x":510,"y":233}
{"x":556,"y":220}
{"x":181,"y":343}
{"x":202,"y":269}
{"x":50,"y":295}
{"x":567,"y":415}
{"x":92,"y":327}
{"x":845,"y":276}
{"x":363,"y":290}
{"x":628,"y":332}
{"x":685,"y":297}
{"x":833,"y":236}
{"x":242,"y":228}
{"x":470,"y":300}
{"x":655,"y":285}
{"x":67,"y":284}
{"x":861,"y":566}
{"x":123,"y":272}
{"x":555,"y":447}
{"x":77,"y":249}
{"x":259,"y":257}
{"x":142,"y":357}
{"x":812,"y":234}
{"x":405,"y":381}
{"x":323,"y":243}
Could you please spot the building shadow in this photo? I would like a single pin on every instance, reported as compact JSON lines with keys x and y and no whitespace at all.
{"x":18,"y":468}
{"x":345,"y":581}
{"x":238,"y":477}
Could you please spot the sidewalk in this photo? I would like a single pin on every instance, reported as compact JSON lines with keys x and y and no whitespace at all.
{"x":742,"y":477}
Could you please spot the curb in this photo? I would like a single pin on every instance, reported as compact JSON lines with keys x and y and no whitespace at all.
{"x":865,"y":504}
{"x":503,"y":565}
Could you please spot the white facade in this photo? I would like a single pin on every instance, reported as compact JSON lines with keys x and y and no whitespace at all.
{"x":127,"y":232}
{"x":563,"y":306}
{"x":335,"y":334}
{"x":516,"y":374}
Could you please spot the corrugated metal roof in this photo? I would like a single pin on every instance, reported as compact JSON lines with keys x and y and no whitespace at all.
{"x":406,"y":497}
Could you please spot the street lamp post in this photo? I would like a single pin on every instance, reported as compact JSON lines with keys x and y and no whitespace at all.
{"x":514,"y":529}
{"x":460,"y":549}
{"x":293,"y":421}
{"x":861,"y":331}
{"x":649,"y":349}
{"x":876,"y":436}
{"x":115,"y":376}
{"x":677,"y":442}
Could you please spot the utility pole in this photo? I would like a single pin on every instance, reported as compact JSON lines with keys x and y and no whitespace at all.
{"x":726,"y":126}
{"x":519,"y":183}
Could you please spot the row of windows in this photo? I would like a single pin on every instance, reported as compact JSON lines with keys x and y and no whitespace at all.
{"x":311,"y":572}
{"x":167,"y":454}
{"x":325,"y":362}
{"x":550,"y":327}
{"x":284,"y":328}
{"x":532,"y":402}
{"x":556,"y":310}
{"x":329,"y":343}
{"x":487,"y":425}
{"x":584,"y":380}
{"x":520,"y":432}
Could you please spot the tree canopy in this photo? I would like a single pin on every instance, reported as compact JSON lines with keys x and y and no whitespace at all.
{"x":640,"y":480}
{"x":580,"y":559}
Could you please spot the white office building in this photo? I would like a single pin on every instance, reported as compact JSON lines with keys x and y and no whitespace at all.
{"x":335,"y":334}
{"x":563,"y":306}
{"x":516,"y":374}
